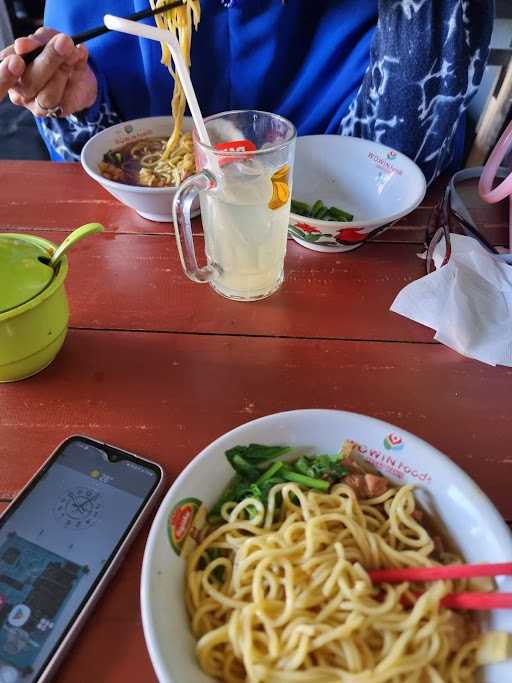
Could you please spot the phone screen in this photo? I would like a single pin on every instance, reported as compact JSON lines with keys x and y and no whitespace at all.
{"x":55,"y":545}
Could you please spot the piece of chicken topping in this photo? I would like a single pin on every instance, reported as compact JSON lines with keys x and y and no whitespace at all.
{"x":367,"y":485}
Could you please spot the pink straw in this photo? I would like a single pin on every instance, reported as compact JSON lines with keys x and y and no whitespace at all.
{"x":504,"y":189}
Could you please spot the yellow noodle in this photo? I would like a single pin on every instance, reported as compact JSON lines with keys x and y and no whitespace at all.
{"x":179,"y":21}
{"x":295,"y":604}
{"x":157,"y":171}
{"x":166,"y":163}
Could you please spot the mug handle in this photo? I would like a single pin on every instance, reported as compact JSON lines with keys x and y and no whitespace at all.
{"x":181,"y":206}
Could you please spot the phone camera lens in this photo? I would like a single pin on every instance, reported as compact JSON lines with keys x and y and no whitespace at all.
{"x":113,"y":457}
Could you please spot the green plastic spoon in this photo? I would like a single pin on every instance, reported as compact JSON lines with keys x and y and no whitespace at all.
{"x":72,"y":239}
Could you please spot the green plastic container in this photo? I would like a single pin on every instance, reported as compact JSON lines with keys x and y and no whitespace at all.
{"x":34,"y":309}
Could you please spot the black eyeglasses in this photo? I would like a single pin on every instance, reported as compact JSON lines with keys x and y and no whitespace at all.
{"x":445,"y":220}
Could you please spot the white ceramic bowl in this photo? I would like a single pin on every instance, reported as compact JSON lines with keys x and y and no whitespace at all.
{"x":376,"y":184}
{"x":153,"y":203}
{"x":468,"y":515}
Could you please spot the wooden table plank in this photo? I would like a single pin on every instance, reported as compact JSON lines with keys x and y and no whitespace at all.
{"x":108,"y":652}
{"x":136,"y":282}
{"x":158,"y":394}
{"x":167,"y":395}
{"x":60,"y":197}
{"x":55,"y":196}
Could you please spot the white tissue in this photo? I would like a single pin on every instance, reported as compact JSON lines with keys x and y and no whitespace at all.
{"x":468,"y":302}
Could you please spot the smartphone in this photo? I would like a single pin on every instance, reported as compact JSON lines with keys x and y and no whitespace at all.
{"x":61,"y":540}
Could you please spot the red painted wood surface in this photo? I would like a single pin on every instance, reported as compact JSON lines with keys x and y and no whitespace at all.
{"x":136,"y":282}
{"x":162,"y":366}
{"x":169,"y":395}
{"x":30,"y":188}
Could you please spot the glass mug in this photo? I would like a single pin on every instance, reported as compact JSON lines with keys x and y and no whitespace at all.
{"x":244,"y":184}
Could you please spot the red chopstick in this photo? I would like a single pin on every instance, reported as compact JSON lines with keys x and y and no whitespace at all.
{"x":478,"y":601}
{"x":472,"y":601}
{"x":450,"y":571}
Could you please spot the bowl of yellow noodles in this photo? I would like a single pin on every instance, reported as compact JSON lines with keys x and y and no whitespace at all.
{"x":134,"y":162}
{"x":142,"y":162}
{"x":257,"y":566}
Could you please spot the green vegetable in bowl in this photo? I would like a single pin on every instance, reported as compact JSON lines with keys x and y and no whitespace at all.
{"x":327,"y":467}
{"x":114,"y":158}
{"x":339,"y":215}
{"x":301,"y":208}
{"x":317,"y":207}
{"x":258,"y":470}
{"x":320,"y":212}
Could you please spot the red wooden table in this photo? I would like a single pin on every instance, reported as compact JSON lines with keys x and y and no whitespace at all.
{"x":162,"y":366}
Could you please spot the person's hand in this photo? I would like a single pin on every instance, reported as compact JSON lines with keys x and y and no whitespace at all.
{"x":59,"y":81}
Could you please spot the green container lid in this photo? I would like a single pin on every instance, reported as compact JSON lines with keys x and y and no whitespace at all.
{"x":23,"y":275}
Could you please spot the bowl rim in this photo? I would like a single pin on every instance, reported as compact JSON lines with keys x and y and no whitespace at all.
{"x":495,"y":519}
{"x":113,"y":184}
{"x":334,"y":226}
{"x":54,"y":284}
{"x":274,"y":147}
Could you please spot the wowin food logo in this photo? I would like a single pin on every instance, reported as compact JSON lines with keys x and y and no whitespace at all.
{"x":393,"y":442}
{"x":386,"y":164}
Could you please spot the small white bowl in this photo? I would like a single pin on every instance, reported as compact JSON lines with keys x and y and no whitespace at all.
{"x":153,"y":203}
{"x":468,"y":515}
{"x":377,"y":184}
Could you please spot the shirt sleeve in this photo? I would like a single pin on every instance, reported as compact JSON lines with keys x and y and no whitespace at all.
{"x":426,"y":62}
{"x":65,"y":137}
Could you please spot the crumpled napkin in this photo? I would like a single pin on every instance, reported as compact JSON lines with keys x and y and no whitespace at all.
{"x":468,"y":302}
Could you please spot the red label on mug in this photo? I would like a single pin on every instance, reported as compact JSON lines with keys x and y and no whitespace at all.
{"x":235,"y":146}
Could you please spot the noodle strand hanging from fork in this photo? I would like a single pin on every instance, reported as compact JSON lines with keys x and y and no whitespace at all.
{"x":180,"y":21}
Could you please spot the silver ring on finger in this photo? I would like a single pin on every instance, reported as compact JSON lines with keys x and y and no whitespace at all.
{"x":51,"y":112}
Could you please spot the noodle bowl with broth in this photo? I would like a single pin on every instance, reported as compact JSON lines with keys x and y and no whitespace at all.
{"x":278,"y":589}
{"x":159,"y":162}
{"x":142,"y":163}
{"x":153,"y":203}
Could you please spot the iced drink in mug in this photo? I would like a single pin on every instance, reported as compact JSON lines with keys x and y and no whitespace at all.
{"x":244,"y":183}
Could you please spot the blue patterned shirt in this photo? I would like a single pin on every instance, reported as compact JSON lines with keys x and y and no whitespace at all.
{"x":401,"y":72}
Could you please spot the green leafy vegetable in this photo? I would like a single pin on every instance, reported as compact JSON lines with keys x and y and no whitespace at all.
{"x":271,"y":472}
{"x":256,"y":475}
{"x":316,"y":208}
{"x":320,"y":212}
{"x":237,"y":487}
{"x":249,"y":462}
{"x":255,"y":453}
{"x":244,"y":468}
{"x":327,"y":467}
{"x":301,"y":208}
{"x":261,"y":491}
{"x":339,"y":215}
{"x":303,"y":479}
{"x":114,"y":158}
